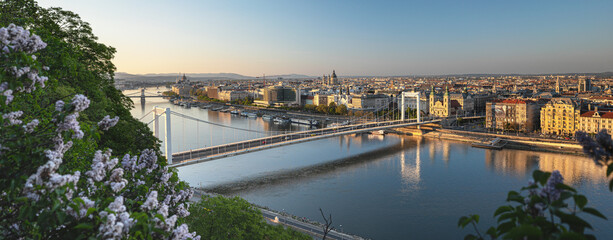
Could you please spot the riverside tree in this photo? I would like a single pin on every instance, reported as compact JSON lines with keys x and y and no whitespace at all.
{"x":41,"y":196}
{"x":79,"y":64}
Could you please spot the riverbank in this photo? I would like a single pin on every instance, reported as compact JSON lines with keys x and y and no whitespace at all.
{"x":512,"y":142}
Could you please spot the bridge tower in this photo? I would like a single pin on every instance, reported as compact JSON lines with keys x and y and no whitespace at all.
{"x":417,"y":97}
{"x":157,"y":112}
{"x":142,"y":95}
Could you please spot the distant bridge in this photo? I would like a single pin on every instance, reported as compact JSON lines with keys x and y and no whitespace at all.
{"x":142,"y":95}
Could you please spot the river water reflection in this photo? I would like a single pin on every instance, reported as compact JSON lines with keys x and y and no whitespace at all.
{"x":392,"y":187}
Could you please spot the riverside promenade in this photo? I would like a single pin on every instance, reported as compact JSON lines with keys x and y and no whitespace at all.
{"x":513,"y":142}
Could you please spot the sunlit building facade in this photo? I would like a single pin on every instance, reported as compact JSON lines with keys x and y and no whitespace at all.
{"x":560,"y":116}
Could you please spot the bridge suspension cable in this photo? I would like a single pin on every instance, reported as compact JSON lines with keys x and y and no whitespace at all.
{"x":146,"y":114}
{"x":221,"y":125}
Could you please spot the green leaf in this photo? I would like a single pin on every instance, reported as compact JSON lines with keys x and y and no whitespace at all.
{"x":506,"y":227}
{"x":506,"y":216}
{"x":90,"y":211}
{"x":609,"y":169}
{"x":571,"y":236}
{"x":84,"y":226}
{"x":463,"y":221}
{"x":565,"y":187}
{"x":540,"y":176}
{"x":564,"y":196}
{"x":475,"y":218}
{"x":503,"y":209}
{"x":492,"y":232}
{"x":574,"y":222}
{"x":580,"y":200}
{"x":524,"y":232}
{"x":470,"y":237}
{"x":594,"y":212}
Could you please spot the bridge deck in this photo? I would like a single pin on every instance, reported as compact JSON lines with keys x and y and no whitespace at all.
{"x":221,"y":151}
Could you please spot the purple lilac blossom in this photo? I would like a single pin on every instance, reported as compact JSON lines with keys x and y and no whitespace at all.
{"x":107,"y":122}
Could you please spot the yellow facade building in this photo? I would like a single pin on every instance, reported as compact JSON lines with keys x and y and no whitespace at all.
{"x":560,"y":116}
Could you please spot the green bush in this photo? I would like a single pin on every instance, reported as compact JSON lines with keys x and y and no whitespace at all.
{"x":234,"y":218}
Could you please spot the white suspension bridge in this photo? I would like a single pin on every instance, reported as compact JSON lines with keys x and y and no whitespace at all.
{"x":260,"y":140}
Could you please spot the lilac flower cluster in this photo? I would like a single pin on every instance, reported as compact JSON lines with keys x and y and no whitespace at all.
{"x":80,"y":102}
{"x":15,"y":38}
{"x":46,"y":175}
{"x":182,"y":232}
{"x":70,"y":123}
{"x":107,"y":122}
{"x":59,"y":105}
{"x":81,"y":211}
{"x":106,"y":176}
{"x":600,"y":150}
{"x":29,"y":128}
{"x":9,"y":96}
{"x":152,"y":201}
{"x":118,"y":221}
{"x":32,"y":75}
{"x":13,"y":117}
{"x":550,"y":190}
{"x":533,"y":209}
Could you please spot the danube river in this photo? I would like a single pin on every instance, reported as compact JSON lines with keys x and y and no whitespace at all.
{"x":379,"y":187}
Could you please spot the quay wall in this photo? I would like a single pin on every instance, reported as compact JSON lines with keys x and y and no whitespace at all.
{"x":513,"y":142}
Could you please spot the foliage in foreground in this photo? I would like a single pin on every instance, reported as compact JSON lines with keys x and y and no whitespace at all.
{"x":547,"y":208}
{"x":234,"y":218}
{"x":43,"y":197}
{"x":80,"y":64}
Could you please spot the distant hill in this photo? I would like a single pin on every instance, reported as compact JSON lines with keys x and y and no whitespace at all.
{"x":169,"y":77}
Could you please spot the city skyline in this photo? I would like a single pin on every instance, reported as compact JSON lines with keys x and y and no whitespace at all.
{"x":354,"y":38}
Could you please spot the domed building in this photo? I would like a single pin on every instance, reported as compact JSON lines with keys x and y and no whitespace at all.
{"x":330,"y":79}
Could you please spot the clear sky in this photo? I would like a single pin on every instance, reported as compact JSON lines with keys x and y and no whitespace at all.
{"x":253,"y":37}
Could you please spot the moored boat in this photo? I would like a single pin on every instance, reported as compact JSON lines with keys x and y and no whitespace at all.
{"x":378,"y":132}
{"x":300,"y":121}
{"x":495,"y":144}
{"x":282,"y":120}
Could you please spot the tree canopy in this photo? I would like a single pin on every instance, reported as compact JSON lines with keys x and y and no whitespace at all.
{"x":78,"y":63}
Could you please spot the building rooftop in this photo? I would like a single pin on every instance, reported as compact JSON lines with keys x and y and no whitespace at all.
{"x":602,"y":114}
{"x":514,"y":101}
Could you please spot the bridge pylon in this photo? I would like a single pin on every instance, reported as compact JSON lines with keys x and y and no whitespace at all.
{"x":417,"y":97}
{"x":142,"y":95}
{"x":157,"y":112}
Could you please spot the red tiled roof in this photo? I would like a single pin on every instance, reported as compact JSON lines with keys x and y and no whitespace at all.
{"x":602,"y":114}
{"x":601,"y":97}
{"x":513,"y":101}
